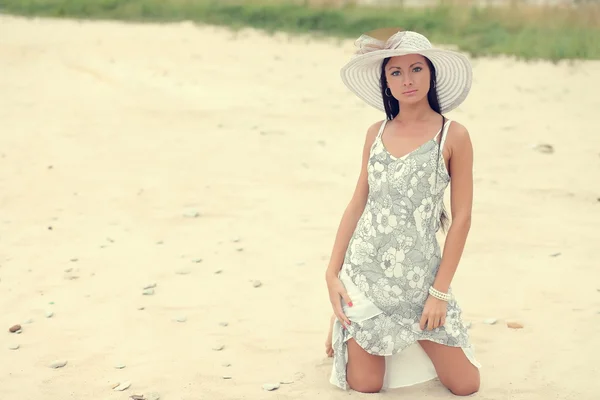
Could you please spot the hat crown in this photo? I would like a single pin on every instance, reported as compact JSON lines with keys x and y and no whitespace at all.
{"x":408,"y":40}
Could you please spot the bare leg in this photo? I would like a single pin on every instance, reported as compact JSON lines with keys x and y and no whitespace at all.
{"x":453,"y":368}
{"x":364,"y":372}
{"x":328,"y":343}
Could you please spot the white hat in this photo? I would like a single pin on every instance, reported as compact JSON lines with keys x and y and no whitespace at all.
{"x":362,"y":74}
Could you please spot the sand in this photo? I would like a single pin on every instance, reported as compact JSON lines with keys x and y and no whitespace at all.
{"x":203,"y":161}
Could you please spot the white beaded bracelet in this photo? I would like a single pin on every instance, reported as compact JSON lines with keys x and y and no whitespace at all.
{"x":439,"y":295}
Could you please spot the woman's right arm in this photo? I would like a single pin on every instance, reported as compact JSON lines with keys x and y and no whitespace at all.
{"x":347,"y":226}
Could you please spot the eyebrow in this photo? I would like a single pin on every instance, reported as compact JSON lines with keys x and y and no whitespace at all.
{"x":418,"y":62}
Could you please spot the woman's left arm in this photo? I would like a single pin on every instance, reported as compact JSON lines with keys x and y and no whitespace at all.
{"x":461,"y":197}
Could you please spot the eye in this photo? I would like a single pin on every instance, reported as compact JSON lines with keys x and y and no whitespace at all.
{"x":417,"y":69}
{"x":395,"y":73}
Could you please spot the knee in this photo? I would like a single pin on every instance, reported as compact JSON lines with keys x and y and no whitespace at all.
{"x":367,"y":384}
{"x":464,"y":388}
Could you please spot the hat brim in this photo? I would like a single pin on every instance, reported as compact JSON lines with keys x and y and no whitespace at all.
{"x":454,"y":76}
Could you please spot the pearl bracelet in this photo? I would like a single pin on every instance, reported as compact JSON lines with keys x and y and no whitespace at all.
{"x":439,"y":295}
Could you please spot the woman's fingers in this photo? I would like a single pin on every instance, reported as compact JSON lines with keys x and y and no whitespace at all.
{"x":423,"y":321}
{"x":346,"y":298}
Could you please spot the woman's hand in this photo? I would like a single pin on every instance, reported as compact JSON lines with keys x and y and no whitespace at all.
{"x":337,"y":292}
{"x":434,"y":313}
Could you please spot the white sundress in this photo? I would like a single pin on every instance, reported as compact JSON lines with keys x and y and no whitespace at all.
{"x":391,"y":261}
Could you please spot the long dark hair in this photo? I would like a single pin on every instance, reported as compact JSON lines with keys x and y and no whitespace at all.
{"x":392,"y":108}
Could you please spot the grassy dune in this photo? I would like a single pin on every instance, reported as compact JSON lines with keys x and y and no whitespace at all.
{"x":523,"y":31}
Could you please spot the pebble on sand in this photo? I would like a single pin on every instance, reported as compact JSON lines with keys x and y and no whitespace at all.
{"x":270,"y":386}
{"x":150,"y":286}
{"x":122,"y":386}
{"x":148,"y":292}
{"x":58,"y":364}
{"x":120,"y":366}
{"x":227,"y":376}
{"x":490,"y":321}
{"x":49,"y":314}
{"x":514,"y":325}
{"x":14,"y":328}
{"x":544,"y":148}
{"x":13,"y":347}
{"x":218,"y":347}
{"x":257,"y":284}
{"x":183,"y":271}
{"x":181,"y":318}
{"x":191,"y":214}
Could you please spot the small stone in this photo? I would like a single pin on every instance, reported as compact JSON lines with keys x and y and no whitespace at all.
{"x":182,"y":318}
{"x":224,"y":323}
{"x":183,"y":271}
{"x":235,"y":240}
{"x":120,"y":366}
{"x":58,"y":364}
{"x":490,"y":321}
{"x":141,"y":308}
{"x":13,"y":347}
{"x":288,"y":382}
{"x":191,"y":214}
{"x":227,"y":377}
{"x":160,"y":242}
{"x":218,"y":271}
{"x":555,"y":254}
{"x":150,"y":286}
{"x":468,"y":325}
{"x":14,"y":328}
{"x":544,"y":148}
{"x":123,"y":386}
{"x":68,"y":270}
{"x":218,"y":347}
{"x":257,"y":284}
{"x":28,"y":321}
{"x":226,"y":365}
{"x":137,"y":397}
{"x":240,"y":249}
{"x":152,"y":396}
{"x":197,"y":260}
{"x":514,"y":325}
{"x":49,"y":314}
{"x":270,"y":386}
{"x":74,"y":259}
{"x":148,"y":292}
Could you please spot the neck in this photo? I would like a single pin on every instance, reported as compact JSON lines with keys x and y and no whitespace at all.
{"x":414,"y":112}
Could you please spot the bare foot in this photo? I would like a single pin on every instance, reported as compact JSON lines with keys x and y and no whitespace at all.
{"x":328,"y":344}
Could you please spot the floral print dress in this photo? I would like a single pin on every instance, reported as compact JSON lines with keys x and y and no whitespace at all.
{"x":392,"y":260}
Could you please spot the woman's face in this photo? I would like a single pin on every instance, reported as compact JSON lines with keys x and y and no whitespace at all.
{"x":408,"y":78}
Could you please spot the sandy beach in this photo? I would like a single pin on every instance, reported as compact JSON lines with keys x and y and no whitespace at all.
{"x":215,"y":167}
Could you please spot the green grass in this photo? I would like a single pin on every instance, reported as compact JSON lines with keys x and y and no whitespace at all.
{"x":522,"y":31}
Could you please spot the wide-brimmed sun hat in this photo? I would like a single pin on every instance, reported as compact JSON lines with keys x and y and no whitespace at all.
{"x":362,"y":74}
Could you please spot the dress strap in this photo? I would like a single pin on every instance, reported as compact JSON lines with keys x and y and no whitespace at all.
{"x":444,"y":132}
{"x":381,"y":128}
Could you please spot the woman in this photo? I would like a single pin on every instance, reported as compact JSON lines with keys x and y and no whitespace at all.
{"x":396,"y":321}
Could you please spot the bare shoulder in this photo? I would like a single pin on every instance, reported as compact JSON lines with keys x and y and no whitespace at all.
{"x":372,"y":132}
{"x":458,"y":137}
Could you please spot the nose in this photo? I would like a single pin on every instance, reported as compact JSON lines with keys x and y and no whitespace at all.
{"x":407,"y":81}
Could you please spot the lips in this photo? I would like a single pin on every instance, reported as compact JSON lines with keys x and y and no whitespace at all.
{"x":410,"y":91}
